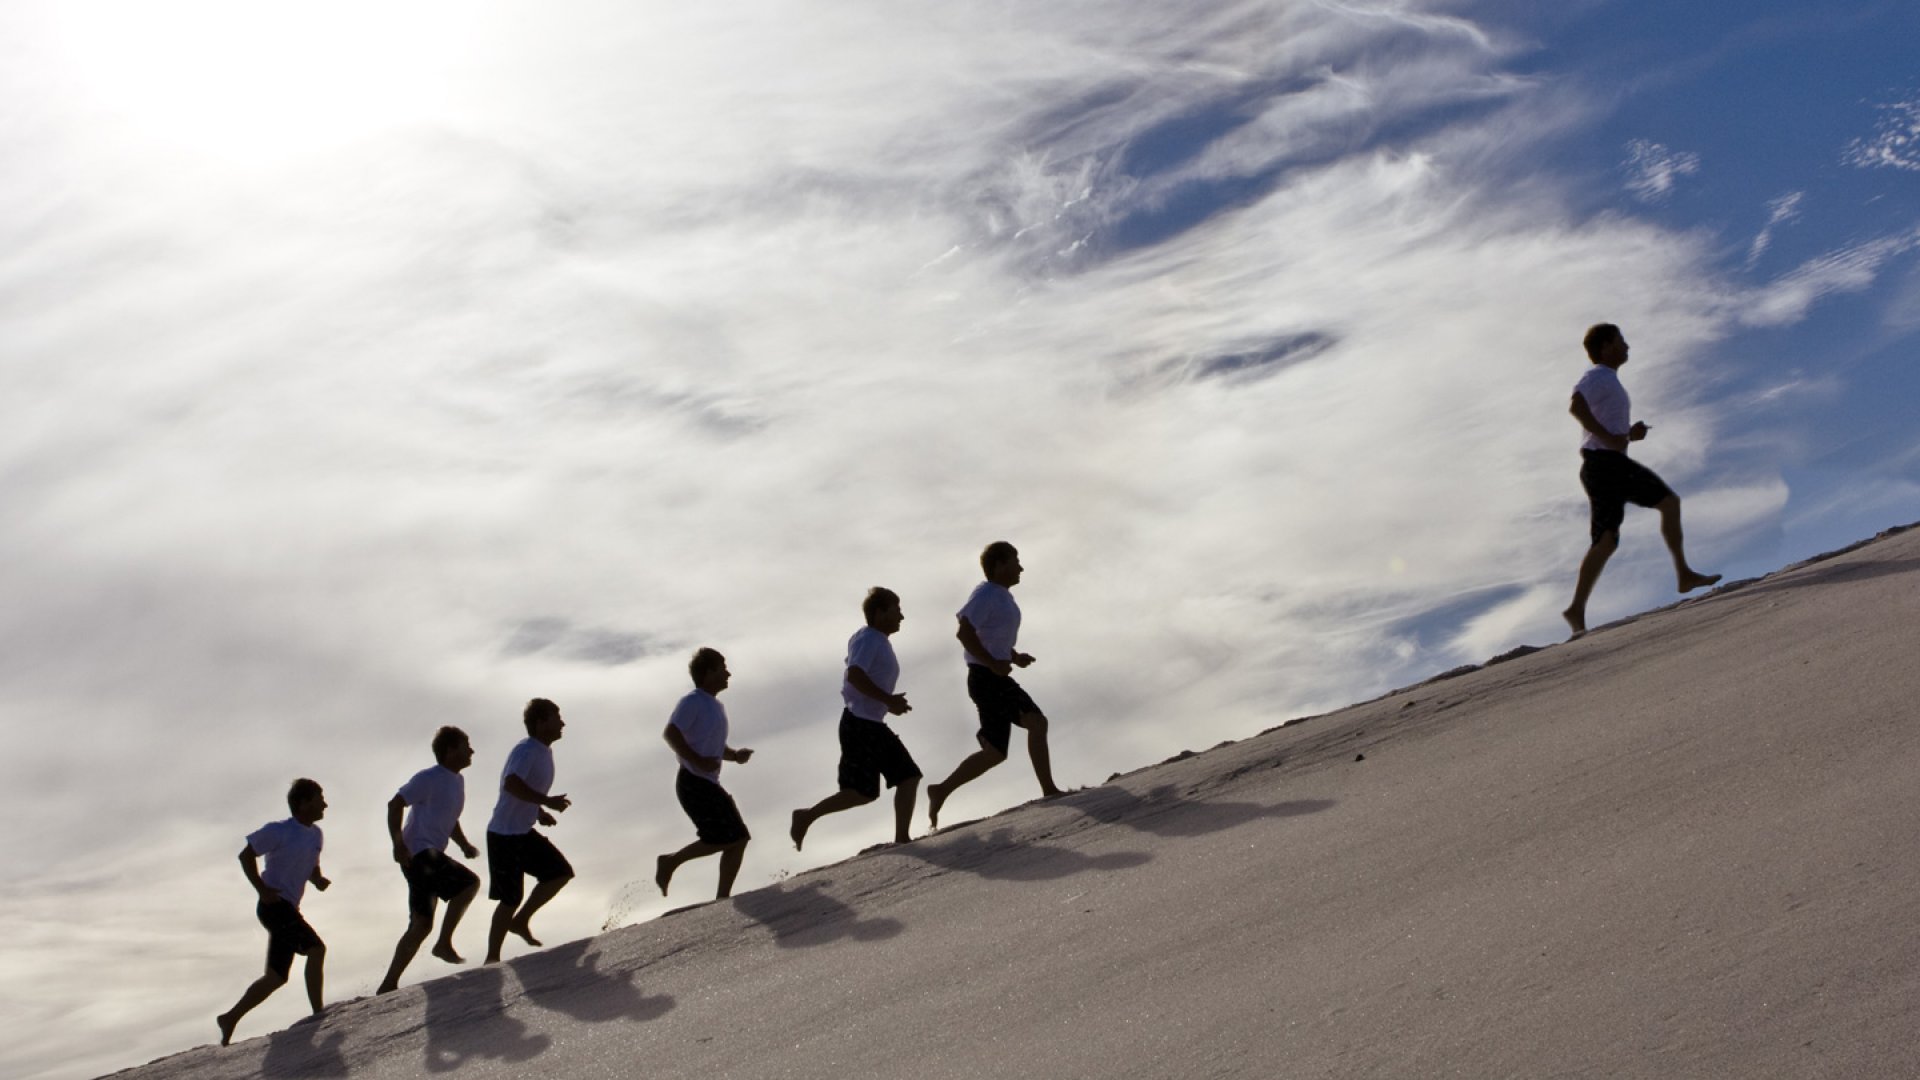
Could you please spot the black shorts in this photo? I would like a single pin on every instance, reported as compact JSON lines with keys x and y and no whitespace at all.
{"x":1613,"y":480}
{"x":287,"y":934}
{"x":711,"y":809}
{"x":870,"y":750}
{"x":1001,"y":703}
{"x":434,"y":875}
{"x":511,"y":858}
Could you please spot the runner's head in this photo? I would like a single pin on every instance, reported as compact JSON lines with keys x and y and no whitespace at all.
{"x":306,"y":801}
{"x":542,"y":718}
{"x":882,"y":609}
{"x":1001,"y":563}
{"x":709,"y":670}
{"x":452,"y":748}
{"x":1603,"y":342}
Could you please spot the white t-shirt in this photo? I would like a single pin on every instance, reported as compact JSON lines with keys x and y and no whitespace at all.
{"x":996,"y":619}
{"x":1608,"y":402}
{"x":702,"y":721}
{"x":870,"y":651}
{"x":435,"y":796}
{"x":532,"y":761}
{"x":292,"y":851}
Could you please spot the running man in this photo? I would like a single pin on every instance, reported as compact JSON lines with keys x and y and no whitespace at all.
{"x":869,"y":749}
{"x":514,"y":849}
{"x":697,"y":731}
{"x":989,"y":625}
{"x":292,"y":850}
{"x":432,"y":802}
{"x":1611,"y":478}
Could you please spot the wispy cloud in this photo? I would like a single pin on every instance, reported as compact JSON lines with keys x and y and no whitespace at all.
{"x":1895,"y":142}
{"x":1653,"y":170}
{"x":1850,"y":269}
{"x":1779,"y":212}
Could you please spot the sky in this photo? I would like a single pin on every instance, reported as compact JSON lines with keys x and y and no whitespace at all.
{"x":375,"y":367}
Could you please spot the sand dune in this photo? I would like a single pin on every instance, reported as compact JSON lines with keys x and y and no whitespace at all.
{"x":1681,"y":846}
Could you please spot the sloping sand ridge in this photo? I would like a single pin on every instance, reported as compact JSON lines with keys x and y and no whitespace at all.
{"x":1682,"y":846}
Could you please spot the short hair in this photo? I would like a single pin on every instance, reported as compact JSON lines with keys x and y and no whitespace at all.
{"x":446,"y":739}
{"x":704,"y":661}
{"x":996,"y":553}
{"x":877,"y":600}
{"x":1599,"y":336}
{"x":537,"y":710}
{"x":302,"y":790}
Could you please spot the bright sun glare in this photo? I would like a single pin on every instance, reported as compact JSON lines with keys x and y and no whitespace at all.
{"x":256,"y":80}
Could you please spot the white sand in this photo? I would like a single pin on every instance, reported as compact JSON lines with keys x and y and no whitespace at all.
{"x":1679,"y":847}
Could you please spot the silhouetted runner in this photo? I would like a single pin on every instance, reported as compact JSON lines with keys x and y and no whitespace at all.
{"x":514,"y":849}
{"x":697,"y":731}
{"x":869,"y":749}
{"x":292,"y":850}
{"x":432,"y":802}
{"x":1611,"y":478}
{"x":989,"y":626}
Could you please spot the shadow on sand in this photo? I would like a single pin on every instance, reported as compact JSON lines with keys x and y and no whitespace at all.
{"x":1163,"y":812}
{"x":467,"y":1020}
{"x":567,"y":979}
{"x":1832,"y":573}
{"x":300,"y":1051}
{"x":804,"y":915}
{"x":999,"y":857}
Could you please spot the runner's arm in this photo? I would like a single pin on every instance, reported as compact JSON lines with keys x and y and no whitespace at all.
{"x":250,"y":865}
{"x":397,"y":806}
{"x":970,"y":641}
{"x":1583,"y":413}
{"x":861,"y":681}
{"x":679,"y":743}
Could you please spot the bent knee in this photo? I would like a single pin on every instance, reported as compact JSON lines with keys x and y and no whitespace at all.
{"x":1035,"y":723}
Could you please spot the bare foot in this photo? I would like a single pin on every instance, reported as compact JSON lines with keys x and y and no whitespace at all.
{"x":1690,"y":581}
{"x":444,"y":951}
{"x":1576,"y":621}
{"x":800,"y":827}
{"x":936,"y":798}
{"x":226,"y":1023}
{"x":386,"y":988}
{"x":517,"y":927}
{"x":663,"y":869}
